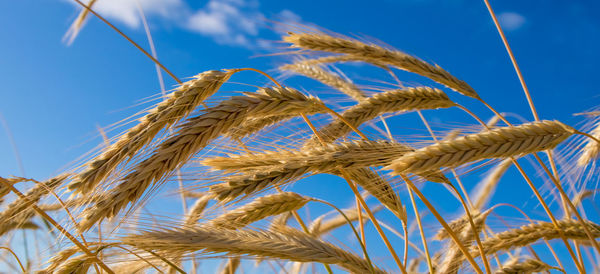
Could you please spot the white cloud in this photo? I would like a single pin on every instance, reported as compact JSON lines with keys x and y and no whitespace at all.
{"x":511,"y":20}
{"x":127,"y":12}
{"x":230,"y":22}
{"x":227,"y":21}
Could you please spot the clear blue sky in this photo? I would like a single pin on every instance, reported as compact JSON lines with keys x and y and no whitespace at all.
{"x":53,"y":96}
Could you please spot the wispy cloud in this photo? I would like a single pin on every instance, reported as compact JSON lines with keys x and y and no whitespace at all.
{"x":227,"y":22}
{"x":126,"y":11}
{"x":511,"y":20}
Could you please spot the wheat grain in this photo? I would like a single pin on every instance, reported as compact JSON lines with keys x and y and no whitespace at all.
{"x":293,"y":246}
{"x":496,"y":143}
{"x":175,"y":106}
{"x":379,"y":55}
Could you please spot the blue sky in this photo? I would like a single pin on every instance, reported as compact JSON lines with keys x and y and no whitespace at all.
{"x":54,"y":96}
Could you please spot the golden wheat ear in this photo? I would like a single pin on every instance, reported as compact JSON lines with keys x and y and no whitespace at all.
{"x":193,"y":136}
{"x":289,"y":245}
{"x":496,"y":143}
{"x":259,"y":209}
{"x":378,"y":55}
{"x":177,"y":105}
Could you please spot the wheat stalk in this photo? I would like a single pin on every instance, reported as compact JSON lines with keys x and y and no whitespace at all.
{"x":496,"y":143}
{"x":379,"y":55}
{"x":293,"y":246}
{"x":259,"y":209}
{"x":192,"y":137}
{"x":175,"y":106}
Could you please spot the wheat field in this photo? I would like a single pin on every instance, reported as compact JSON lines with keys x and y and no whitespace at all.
{"x":235,"y":163}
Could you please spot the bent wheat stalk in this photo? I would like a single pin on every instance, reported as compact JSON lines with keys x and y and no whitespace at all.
{"x":293,"y":246}
{"x":177,"y":105}
{"x":495,"y":143}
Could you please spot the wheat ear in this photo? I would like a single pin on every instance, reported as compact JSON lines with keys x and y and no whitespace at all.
{"x":591,"y":149}
{"x":195,"y":212}
{"x":524,"y":267}
{"x":495,"y":143}
{"x":293,"y":246}
{"x":21,"y":205}
{"x":379,"y":55}
{"x":363,"y":153}
{"x":344,"y":155}
{"x":531,"y":233}
{"x":175,"y":106}
{"x":327,"y":78}
{"x":321,"y":226}
{"x":485,"y":189}
{"x":76,"y":265}
{"x":381,"y":103}
{"x":259,"y":209}
{"x":454,"y":256}
{"x":192,"y":137}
